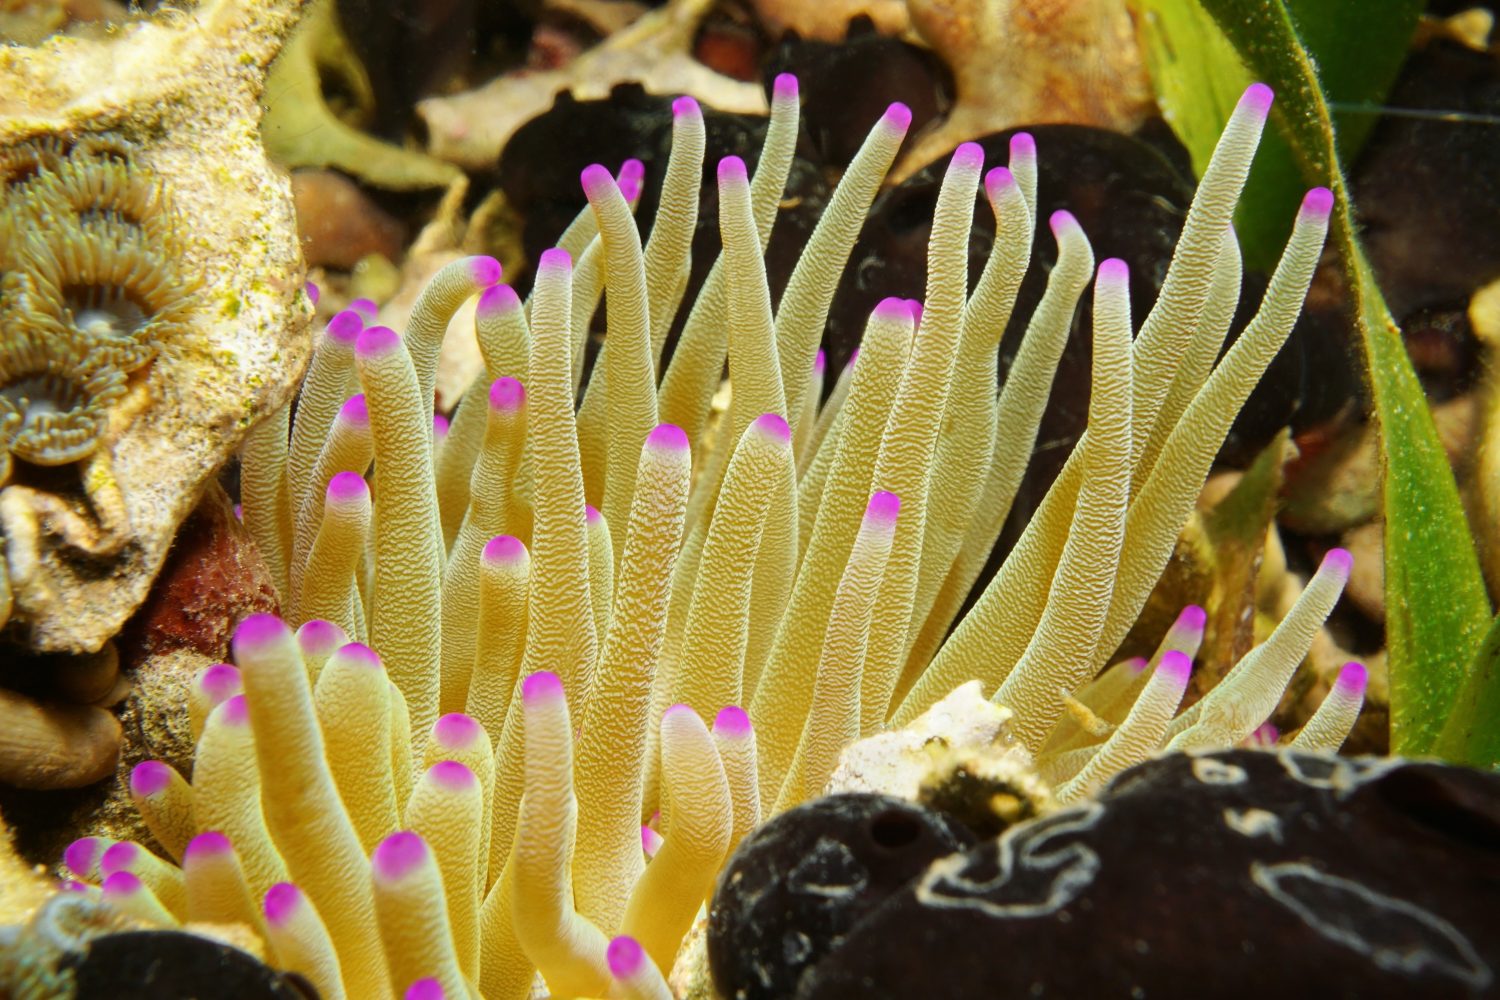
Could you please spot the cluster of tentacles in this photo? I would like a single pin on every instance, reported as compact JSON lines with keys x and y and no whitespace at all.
{"x":89,"y":290}
{"x":433,"y":818}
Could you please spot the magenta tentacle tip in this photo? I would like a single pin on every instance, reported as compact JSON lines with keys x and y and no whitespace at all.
{"x":281,"y":903}
{"x":507,"y":393}
{"x":668,"y":436}
{"x":731,"y":170}
{"x":625,"y":956}
{"x":542,"y":686}
{"x":1257,"y":98}
{"x":347,"y":486}
{"x":1338,"y":561}
{"x":357,"y":654}
{"x":453,"y":776}
{"x":773,"y":425}
{"x":597,"y":181}
{"x":897,"y":117}
{"x":317,"y":635}
{"x":440,"y":426}
{"x":591,"y":514}
{"x":376,"y":342}
{"x":150,"y":777}
{"x":1113,"y":270}
{"x":732,"y":721}
{"x":220,"y":681}
{"x":498,"y":299}
{"x":119,"y":857}
{"x":355,"y":410}
{"x":233,"y":711}
{"x":893,"y":309}
{"x":398,"y":855}
{"x":346,"y":326}
{"x":1136,"y":664}
{"x":239,"y":512}
{"x":1061,"y":221}
{"x":784,"y":88}
{"x":504,"y":549}
{"x":650,"y":841}
{"x":368,"y":308}
{"x":73,"y":885}
{"x":820,"y":362}
{"x":260,"y":630}
{"x":632,"y":173}
{"x":1192,"y":617}
{"x":968,"y":156}
{"x":1023,"y":146}
{"x":884,"y":506}
{"x":121,"y":884}
{"x":456,"y":730}
{"x":210,"y":843}
{"x":1353,"y":678}
{"x":686,"y":106}
{"x":1176,"y":666}
{"x":1317,"y":202}
{"x":82,"y":854}
{"x":484,"y":270}
{"x":425,"y":989}
{"x":915,"y":308}
{"x":313,"y":292}
{"x":999,"y":179}
{"x":555,"y":259}
{"x":1266,"y":735}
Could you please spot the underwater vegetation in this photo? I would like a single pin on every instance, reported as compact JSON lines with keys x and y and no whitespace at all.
{"x":503,"y":637}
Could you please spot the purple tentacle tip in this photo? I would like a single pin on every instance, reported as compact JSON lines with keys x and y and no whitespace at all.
{"x":555,"y":259}
{"x":893,"y":309}
{"x":440,"y":426}
{"x":773,"y":425}
{"x":632,"y":172}
{"x":897,"y":117}
{"x":313,"y":292}
{"x":233,"y":711}
{"x":355,"y":410}
{"x":207,"y":844}
{"x":220,"y":681}
{"x":668,"y":436}
{"x":999,"y":179}
{"x":456,"y":730}
{"x":260,"y":630}
{"x":281,"y":903}
{"x":1318,"y":202}
{"x":1192,"y":617}
{"x":591,"y":514}
{"x":1258,"y":97}
{"x":239,"y":512}
{"x":820,"y":362}
{"x":1061,"y":221}
{"x":357,"y":654}
{"x":81,"y":855}
{"x":377,"y":341}
{"x":504,"y":549}
{"x":150,"y":777}
{"x":968,"y":156}
{"x":597,"y":181}
{"x":1352,"y":679}
{"x":498,"y":299}
{"x":650,"y":841}
{"x":732,"y":721}
{"x":914,"y":309}
{"x":119,"y":857}
{"x":540,"y":687}
{"x":368,"y":308}
{"x":1136,"y":664}
{"x":507,"y":394}
{"x":1023,"y":146}
{"x":1338,"y":561}
{"x":425,"y":989}
{"x":1176,"y":666}
{"x":317,"y":635}
{"x":625,"y":956}
{"x":785,"y":87}
{"x":884,"y":506}
{"x":346,"y":326}
{"x":347,"y":486}
{"x":686,"y":106}
{"x":453,"y":776}
{"x":398,"y":855}
{"x":1114,"y":270}
{"x":731,"y":170}
{"x":122,"y":884}
{"x":484,"y":270}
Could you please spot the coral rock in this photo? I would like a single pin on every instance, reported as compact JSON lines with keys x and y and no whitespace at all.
{"x":83,"y":543}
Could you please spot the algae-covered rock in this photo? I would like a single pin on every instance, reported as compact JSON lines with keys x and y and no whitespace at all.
{"x":177,"y":96}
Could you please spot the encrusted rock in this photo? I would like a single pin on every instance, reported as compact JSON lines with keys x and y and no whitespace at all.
{"x":82,"y":543}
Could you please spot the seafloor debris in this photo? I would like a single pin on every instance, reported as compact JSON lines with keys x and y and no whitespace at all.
{"x":1157,"y":882}
{"x":177,"y":96}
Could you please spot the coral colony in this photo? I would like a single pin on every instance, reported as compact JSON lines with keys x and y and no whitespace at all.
{"x":518,"y":642}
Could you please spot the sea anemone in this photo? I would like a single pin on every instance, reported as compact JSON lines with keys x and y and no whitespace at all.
{"x":560,"y":597}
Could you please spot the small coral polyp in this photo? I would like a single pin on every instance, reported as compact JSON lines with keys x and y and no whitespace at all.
{"x":90,"y":291}
{"x":556,"y":598}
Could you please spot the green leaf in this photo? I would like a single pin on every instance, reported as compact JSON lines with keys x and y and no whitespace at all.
{"x":1472,"y":735}
{"x":1199,"y":73}
{"x":1437,"y":611}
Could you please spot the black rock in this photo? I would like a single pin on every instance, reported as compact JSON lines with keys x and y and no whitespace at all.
{"x":1241,"y":874}
{"x":153,"y":965}
{"x":798,"y":884}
